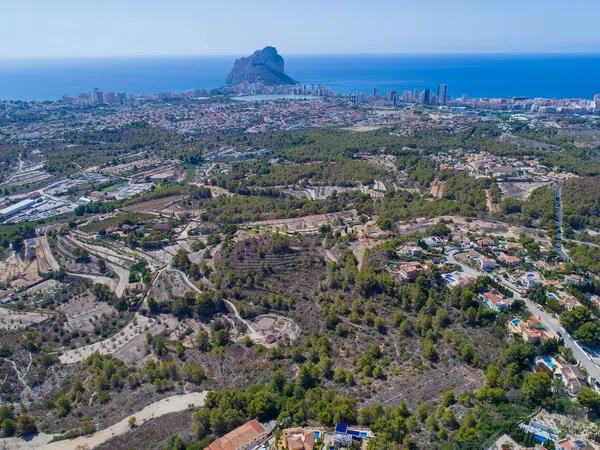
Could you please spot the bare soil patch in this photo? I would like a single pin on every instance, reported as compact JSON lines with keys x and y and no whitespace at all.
{"x":84,"y":311}
{"x":168,"y":285}
{"x":155,"y":205}
{"x":11,"y":319}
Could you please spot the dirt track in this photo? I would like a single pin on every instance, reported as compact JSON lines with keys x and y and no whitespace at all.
{"x":45,"y":258}
{"x":167,"y":405}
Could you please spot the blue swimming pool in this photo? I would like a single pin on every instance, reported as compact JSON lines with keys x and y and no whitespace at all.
{"x":552,"y":295}
{"x":517,"y":322}
{"x":549,"y":362}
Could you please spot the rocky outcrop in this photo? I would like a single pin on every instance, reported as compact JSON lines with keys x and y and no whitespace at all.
{"x":437,"y":188}
{"x":264,"y":67}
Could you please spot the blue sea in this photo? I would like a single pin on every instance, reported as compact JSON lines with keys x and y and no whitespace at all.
{"x":553,"y":76}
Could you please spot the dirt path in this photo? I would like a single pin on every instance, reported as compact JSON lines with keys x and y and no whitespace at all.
{"x":154,"y":278}
{"x":115,"y":262}
{"x":251,"y":331}
{"x":167,"y":405}
{"x":96,"y":279}
{"x":491,"y":206}
{"x":22,"y":375}
{"x":46,"y":260}
{"x":329,"y":256}
{"x":359,"y":247}
{"x":123,"y":275}
{"x":103,"y":252}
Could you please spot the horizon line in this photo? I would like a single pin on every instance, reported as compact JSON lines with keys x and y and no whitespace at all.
{"x":364,"y":54}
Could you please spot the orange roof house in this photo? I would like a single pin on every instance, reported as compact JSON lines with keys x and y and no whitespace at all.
{"x":298,"y":439}
{"x":244,"y":437}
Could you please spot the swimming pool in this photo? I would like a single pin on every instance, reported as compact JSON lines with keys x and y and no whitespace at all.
{"x":517,"y":322}
{"x":549,"y":362}
{"x":551,"y":295}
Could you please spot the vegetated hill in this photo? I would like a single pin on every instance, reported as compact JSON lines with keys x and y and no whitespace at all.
{"x":581,"y":201}
{"x":374,"y":329}
{"x":537,"y":210}
{"x":345,"y":172}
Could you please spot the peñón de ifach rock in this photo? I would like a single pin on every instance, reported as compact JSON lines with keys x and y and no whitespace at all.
{"x":264,"y":66}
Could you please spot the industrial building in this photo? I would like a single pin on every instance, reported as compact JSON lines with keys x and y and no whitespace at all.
{"x":11,"y":210}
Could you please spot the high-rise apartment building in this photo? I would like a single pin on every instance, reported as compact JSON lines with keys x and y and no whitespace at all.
{"x":442,"y":94}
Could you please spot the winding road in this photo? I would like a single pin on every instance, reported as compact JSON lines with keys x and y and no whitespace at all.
{"x":252,"y":332}
{"x":580,"y":356}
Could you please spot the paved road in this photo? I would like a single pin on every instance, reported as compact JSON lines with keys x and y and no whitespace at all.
{"x":580,"y":356}
{"x":560,"y":249}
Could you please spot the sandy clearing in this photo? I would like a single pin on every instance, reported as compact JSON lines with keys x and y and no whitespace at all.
{"x":520,"y":190}
{"x":167,"y":405}
{"x":18,"y":272}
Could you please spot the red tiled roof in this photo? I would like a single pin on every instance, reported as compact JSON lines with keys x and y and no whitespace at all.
{"x":239,"y":438}
{"x":492,"y":297}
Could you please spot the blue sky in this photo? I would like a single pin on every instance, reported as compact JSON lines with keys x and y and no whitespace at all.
{"x":77,"y":28}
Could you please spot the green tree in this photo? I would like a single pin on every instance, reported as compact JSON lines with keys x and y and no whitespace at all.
{"x":203,"y":341}
{"x":429,"y":350}
{"x":26,"y":426}
{"x":8,"y":426}
{"x":588,"y":334}
{"x":590,"y":399}
{"x":63,"y":406}
{"x":575,"y":318}
{"x":536,"y":388}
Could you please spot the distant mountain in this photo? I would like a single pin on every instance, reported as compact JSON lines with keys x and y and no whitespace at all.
{"x":264,"y":67}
